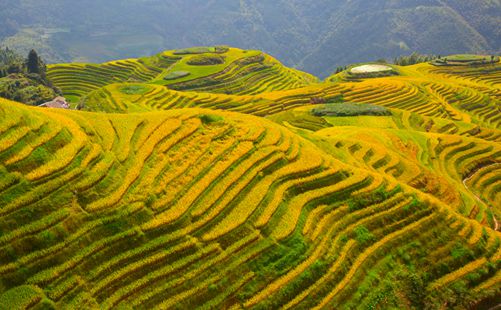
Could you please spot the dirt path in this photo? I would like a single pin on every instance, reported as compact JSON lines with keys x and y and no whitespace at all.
{"x":496,"y":223}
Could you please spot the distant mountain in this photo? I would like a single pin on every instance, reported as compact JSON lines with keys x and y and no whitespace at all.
{"x":313,"y":35}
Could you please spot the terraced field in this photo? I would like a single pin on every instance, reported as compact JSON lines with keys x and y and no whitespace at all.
{"x":422,"y":89}
{"x":241,"y":72}
{"x":426,"y":156}
{"x":181,"y":195}
{"x":76,"y":80}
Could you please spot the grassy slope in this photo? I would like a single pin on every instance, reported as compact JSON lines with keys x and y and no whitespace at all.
{"x":197,"y":207}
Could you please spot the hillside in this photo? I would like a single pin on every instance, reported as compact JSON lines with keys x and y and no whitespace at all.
{"x":313,"y":35}
{"x":452,"y":107}
{"x":25,"y":79}
{"x":204,"y":69}
{"x":217,"y":178}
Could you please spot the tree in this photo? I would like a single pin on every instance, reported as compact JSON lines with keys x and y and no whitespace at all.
{"x":14,"y":68}
{"x":34,"y":64}
{"x":10,"y":62}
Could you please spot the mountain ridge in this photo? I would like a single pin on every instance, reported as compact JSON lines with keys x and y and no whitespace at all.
{"x":314,"y":36}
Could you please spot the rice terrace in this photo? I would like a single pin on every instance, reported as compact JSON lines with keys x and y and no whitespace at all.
{"x":218,"y":178}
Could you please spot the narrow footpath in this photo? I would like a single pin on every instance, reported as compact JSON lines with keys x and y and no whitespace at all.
{"x":496,"y":223}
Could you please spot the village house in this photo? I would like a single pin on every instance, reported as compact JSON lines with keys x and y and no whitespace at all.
{"x":58,"y":103}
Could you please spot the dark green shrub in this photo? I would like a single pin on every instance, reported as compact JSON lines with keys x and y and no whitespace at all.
{"x":413,"y":59}
{"x":221,"y":49}
{"x":363,"y":235}
{"x":150,"y":200}
{"x":206,"y":60}
{"x":350,"y":109}
{"x":210,"y":118}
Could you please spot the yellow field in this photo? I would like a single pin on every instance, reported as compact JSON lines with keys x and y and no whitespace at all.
{"x":181,"y":195}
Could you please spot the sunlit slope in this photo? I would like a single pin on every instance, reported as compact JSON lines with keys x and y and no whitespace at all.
{"x":454,"y":161}
{"x":449,"y":114}
{"x":466,"y":93}
{"x":213,"y":209}
{"x":136,"y":97}
{"x":458,"y":93}
{"x":214,"y":70}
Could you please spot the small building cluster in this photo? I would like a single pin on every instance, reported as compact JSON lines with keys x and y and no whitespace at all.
{"x":58,"y":103}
